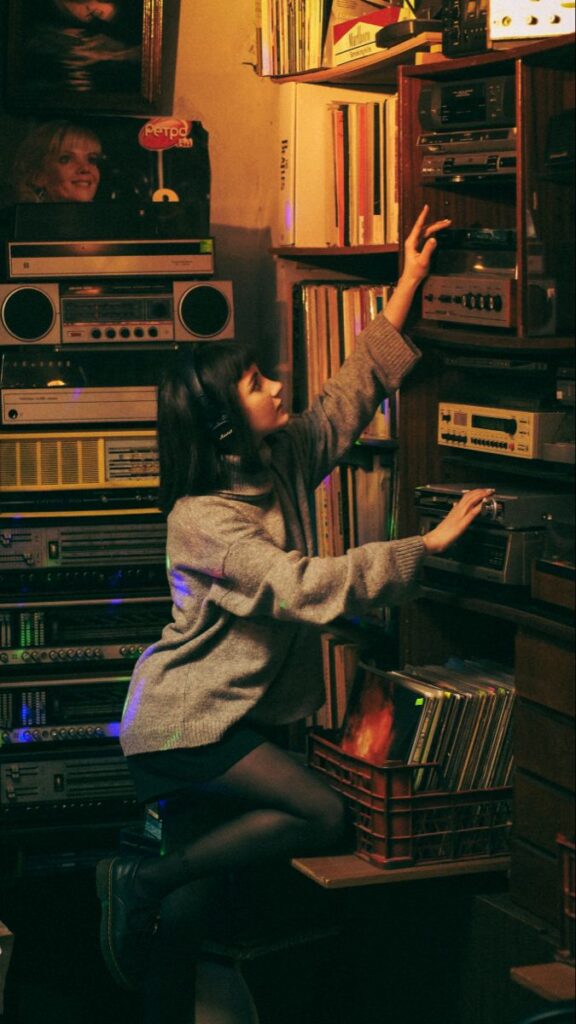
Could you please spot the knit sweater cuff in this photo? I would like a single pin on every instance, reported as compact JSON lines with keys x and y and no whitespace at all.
{"x":395,"y":353}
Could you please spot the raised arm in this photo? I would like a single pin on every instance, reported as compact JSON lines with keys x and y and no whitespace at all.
{"x":418,"y":249}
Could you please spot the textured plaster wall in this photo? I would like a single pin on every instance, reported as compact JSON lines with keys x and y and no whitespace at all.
{"x":215,"y":82}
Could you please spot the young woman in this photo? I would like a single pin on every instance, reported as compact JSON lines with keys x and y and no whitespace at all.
{"x":249,"y":600}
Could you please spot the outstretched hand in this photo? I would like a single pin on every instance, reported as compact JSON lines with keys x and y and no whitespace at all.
{"x":420,"y":244}
{"x":418,"y":249}
{"x":457,"y":521}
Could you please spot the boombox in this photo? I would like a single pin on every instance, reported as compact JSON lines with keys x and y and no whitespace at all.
{"x":92,"y":312}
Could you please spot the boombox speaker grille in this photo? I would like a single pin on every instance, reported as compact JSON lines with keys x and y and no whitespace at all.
{"x":205,"y":310}
{"x":28,"y":314}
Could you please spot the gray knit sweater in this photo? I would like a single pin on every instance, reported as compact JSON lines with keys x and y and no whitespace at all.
{"x":249,"y":595}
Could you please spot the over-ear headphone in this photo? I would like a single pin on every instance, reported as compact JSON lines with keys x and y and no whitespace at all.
{"x":215,"y":418}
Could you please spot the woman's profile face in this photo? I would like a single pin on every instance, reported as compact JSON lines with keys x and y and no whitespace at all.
{"x":72,"y":173}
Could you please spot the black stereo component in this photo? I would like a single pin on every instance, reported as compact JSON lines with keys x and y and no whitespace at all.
{"x":61,"y":635}
{"x":464,"y":27}
{"x":57,"y":787}
{"x":113,"y":555}
{"x":80,"y":709}
{"x":505,"y":540}
{"x":124,"y":312}
{"x":468,"y":103}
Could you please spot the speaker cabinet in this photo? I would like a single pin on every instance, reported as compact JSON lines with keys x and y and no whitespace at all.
{"x":29,"y":313}
{"x":203,"y":310}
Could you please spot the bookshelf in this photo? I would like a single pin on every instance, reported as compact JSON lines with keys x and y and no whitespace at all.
{"x":378,"y":69}
{"x":464,"y":617}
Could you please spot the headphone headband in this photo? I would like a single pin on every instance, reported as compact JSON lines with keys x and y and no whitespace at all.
{"x":215,"y":418}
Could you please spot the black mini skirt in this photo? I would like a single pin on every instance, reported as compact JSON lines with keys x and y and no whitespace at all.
{"x":167,"y":772}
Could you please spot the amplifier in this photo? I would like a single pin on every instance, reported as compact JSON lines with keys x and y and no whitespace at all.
{"x":136,"y":312}
{"x":489,"y":300}
{"x":525,"y":19}
{"x":57,"y":787}
{"x":79,"y":709}
{"x":486,"y":300}
{"x":499,"y":431}
{"x":119,"y":258}
{"x":51,"y":556}
{"x":84,"y":460}
{"x":47,"y":388}
{"x":78,"y":405}
{"x":62,"y":635}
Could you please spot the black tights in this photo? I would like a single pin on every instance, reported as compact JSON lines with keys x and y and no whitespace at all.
{"x":266,"y":808}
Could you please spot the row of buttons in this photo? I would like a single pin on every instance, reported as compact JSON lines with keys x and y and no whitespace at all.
{"x":129,"y":651}
{"x":462,"y":439}
{"x":492,"y":444}
{"x":43,"y":735}
{"x":492,"y":303}
{"x":124,"y":332}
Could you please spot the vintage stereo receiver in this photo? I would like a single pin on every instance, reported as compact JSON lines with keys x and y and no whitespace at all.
{"x":520,"y":433}
{"x":113,"y":555}
{"x":475,"y":283}
{"x":120,"y":312}
{"x":484,"y":300}
{"x":60,"y":786}
{"x":84,"y":460}
{"x":63,"y":635}
{"x":467,"y":103}
{"x":45,"y":387}
{"x":527,"y":19}
{"x":505,"y":540}
{"x":457,"y":155}
{"x":489,"y":300}
{"x":122,"y":258}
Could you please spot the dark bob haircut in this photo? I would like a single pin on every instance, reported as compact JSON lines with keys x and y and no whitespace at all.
{"x":191,"y":459}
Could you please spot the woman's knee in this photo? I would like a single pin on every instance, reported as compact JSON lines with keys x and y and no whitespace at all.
{"x":332,"y":821}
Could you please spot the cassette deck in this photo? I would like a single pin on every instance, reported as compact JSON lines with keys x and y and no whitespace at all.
{"x":504,"y":542}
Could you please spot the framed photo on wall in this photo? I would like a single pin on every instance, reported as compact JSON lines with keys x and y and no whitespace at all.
{"x":105,"y":56}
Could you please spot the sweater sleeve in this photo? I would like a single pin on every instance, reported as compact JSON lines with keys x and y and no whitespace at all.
{"x":381,"y":359}
{"x":259,"y":579}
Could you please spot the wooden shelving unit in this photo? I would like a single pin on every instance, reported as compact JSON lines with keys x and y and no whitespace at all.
{"x":450,"y":619}
{"x":378,"y":69}
{"x":346,"y":871}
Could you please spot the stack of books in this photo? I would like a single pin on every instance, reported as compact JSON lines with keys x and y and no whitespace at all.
{"x":337,"y":165}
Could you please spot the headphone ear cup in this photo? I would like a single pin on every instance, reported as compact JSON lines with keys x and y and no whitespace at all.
{"x":219,"y":425}
{"x":215,"y":418}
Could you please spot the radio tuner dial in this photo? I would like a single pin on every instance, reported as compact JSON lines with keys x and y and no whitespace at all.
{"x":490,"y":508}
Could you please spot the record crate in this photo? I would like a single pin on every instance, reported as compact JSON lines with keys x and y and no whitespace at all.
{"x":567,"y":858}
{"x":398,"y":824}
